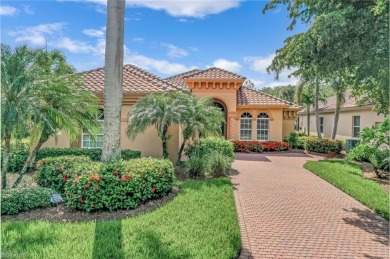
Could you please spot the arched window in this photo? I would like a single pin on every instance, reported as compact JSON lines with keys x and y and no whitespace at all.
{"x":246,"y":126}
{"x":262,"y":127}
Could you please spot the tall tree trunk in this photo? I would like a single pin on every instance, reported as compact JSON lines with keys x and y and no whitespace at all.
{"x":30,"y":159}
{"x":7,"y":147}
{"x":183,"y":144}
{"x":316,"y":108}
{"x":113,"y":78}
{"x":164,"y":139}
{"x":308,"y":119}
{"x":336,"y":114}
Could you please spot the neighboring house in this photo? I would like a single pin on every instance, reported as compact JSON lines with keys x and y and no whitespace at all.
{"x":250,"y":114}
{"x":353,"y":118}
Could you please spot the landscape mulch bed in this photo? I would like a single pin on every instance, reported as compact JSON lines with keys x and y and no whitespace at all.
{"x":61,"y":213}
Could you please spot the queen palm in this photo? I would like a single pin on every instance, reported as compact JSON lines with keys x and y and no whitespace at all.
{"x":160,"y":110}
{"x":202,"y":118}
{"x":58,"y":101}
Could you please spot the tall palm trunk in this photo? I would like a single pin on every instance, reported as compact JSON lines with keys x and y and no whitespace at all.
{"x":113,"y":77}
{"x":30,"y":160}
{"x":7,"y":147}
{"x":308,"y":119}
{"x":339,"y":96}
{"x":164,"y":139}
{"x":316,"y":108}
{"x":183,"y":144}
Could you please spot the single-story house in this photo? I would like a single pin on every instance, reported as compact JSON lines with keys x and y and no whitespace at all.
{"x":250,"y":114}
{"x":353,"y":118}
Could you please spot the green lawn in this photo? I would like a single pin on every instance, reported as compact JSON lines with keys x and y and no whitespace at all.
{"x":349,"y":178}
{"x":201,"y":222}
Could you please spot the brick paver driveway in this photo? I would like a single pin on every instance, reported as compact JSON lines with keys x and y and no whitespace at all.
{"x":287,"y":212}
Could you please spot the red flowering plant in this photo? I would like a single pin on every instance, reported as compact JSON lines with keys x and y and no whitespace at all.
{"x":121,"y":185}
{"x":259,"y":146}
{"x":54,"y":172}
{"x":275,"y":146}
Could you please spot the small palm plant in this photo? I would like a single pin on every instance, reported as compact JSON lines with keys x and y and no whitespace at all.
{"x":202,"y":118}
{"x":160,"y":110}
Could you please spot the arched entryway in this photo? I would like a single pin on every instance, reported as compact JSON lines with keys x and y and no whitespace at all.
{"x":221,"y":105}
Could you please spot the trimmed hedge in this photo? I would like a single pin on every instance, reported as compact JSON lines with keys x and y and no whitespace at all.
{"x":94,"y":153}
{"x":324,"y":145}
{"x":258,"y":146}
{"x":211,"y":145}
{"x":16,"y":200}
{"x":19,"y":154}
{"x":120,"y":185}
{"x":53,"y":172}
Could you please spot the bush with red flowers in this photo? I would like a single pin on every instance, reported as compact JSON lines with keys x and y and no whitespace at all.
{"x":54,"y":172}
{"x":258,"y":146}
{"x":120,"y":185}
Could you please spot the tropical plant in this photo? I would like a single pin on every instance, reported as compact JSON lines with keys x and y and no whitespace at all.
{"x":160,"y":110}
{"x":202,"y":118}
{"x":18,"y":75}
{"x":60,"y":102}
{"x":113,"y":77}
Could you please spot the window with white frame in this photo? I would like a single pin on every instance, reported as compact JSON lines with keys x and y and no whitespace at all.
{"x":96,"y":141}
{"x":355,"y":126}
{"x":263,"y":127}
{"x":246,"y":126}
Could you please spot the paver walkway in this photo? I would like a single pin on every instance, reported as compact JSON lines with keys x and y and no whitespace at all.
{"x":286,"y":211}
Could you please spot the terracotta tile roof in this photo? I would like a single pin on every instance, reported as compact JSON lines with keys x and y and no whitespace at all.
{"x":135,"y":80}
{"x":179,"y":78}
{"x":247,"y":96}
{"x":215,"y":73}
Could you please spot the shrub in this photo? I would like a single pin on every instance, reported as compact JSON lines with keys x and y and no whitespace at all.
{"x":301,"y":142}
{"x":17,"y":157}
{"x":93,"y":153}
{"x":17,"y":200}
{"x":292,"y":139}
{"x":324,"y":145}
{"x":374,"y":146}
{"x":120,"y":185}
{"x":210,"y":145}
{"x":197,"y":165}
{"x":219,"y":165}
{"x":247,"y":146}
{"x":54,"y":172}
{"x":275,"y":146}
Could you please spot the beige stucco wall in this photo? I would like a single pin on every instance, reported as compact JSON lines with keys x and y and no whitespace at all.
{"x":288,"y":127}
{"x":344,"y":129}
{"x":61,"y":140}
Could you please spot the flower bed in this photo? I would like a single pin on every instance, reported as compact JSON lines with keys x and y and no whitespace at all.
{"x":258,"y":146}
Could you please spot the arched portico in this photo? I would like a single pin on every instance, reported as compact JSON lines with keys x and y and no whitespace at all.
{"x":221,"y":105}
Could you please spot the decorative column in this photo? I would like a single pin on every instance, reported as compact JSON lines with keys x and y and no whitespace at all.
{"x":231,"y":125}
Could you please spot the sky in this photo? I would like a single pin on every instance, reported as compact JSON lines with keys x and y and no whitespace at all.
{"x":163,"y":37}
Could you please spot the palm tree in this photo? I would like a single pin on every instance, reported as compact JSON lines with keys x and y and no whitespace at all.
{"x":18,"y":74}
{"x":61,"y":102}
{"x":308,"y":100}
{"x":202,"y":118}
{"x":113,"y":77}
{"x":160,"y":110}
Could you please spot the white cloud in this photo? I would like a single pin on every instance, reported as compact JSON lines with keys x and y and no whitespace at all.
{"x":183,"y":8}
{"x":73,"y":46}
{"x":259,"y":64}
{"x":8,"y":10}
{"x":95,"y":33}
{"x":138,"y":40}
{"x":257,"y":83}
{"x":36,"y":35}
{"x":27,"y":9}
{"x":174,"y":51}
{"x":232,"y":66}
{"x":185,"y":20}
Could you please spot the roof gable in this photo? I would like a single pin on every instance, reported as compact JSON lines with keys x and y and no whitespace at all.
{"x":135,"y":80}
{"x":247,"y":96}
{"x":215,"y":73}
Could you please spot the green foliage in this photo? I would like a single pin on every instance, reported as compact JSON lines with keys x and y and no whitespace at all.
{"x":348,"y":178}
{"x":292,"y":139}
{"x":374,"y":146}
{"x":200,"y":222}
{"x":19,"y":154}
{"x":301,"y":142}
{"x":323,"y":145}
{"x":54,"y":172}
{"x":160,"y":110}
{"x":210,"y":145}
{"x":120,"y":185}
{"x":286,"y":92}
{"x":197,"y":165}
{"x":18,"y":200}
{"x":219,"y":164}
{"x":347,"y":37}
